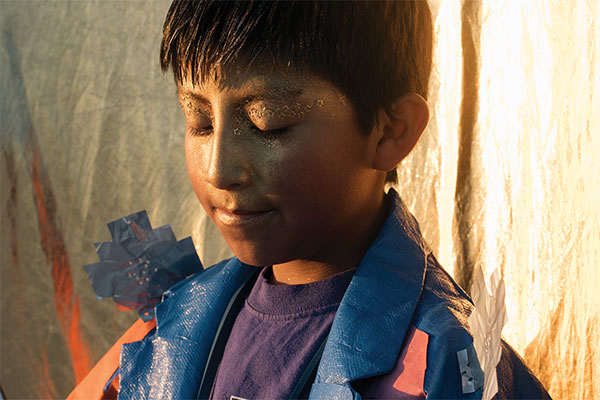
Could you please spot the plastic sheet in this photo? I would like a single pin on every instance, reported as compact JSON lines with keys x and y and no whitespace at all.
{"x":141,"y":263}
{"x":504,"y":177}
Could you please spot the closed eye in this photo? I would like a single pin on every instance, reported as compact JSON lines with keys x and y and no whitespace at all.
{"x":208,"y":130}
{"x":199,"y":132}
{"x":271,"y":132}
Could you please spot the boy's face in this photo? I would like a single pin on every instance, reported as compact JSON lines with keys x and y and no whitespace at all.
{"x":279,"y":163}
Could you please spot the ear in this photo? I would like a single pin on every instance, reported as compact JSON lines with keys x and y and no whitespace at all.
{"x":399,"y":130}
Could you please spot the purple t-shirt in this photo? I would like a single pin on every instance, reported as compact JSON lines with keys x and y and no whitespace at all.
{"x":275,"y":335}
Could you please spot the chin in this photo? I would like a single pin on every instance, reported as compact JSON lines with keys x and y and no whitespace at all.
{"x":254,"y":259}
{"x":252,"y":256}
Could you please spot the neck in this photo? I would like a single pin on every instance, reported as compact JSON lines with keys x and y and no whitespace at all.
{"x":344,"y":253}
{"x":300,"y":272}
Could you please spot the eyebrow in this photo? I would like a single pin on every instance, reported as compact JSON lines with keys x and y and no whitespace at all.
{"x":269,"y":93}
{"x":189,"y":94}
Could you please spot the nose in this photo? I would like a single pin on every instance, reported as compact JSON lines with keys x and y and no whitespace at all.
{"x":227,"y":166}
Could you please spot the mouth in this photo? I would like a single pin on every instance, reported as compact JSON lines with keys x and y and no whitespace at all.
{"x":239,"y":217}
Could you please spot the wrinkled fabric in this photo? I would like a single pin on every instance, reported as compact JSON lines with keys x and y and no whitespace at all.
{"x":169,"y":364}
{"x":397,"y":283}
{"x":102,"y":382}
{"x":405,"y":381}
{"x":503,"y":177}
{"x":279,"y":328}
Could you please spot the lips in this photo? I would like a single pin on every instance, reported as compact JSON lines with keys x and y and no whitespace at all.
{"x":240,"y":217}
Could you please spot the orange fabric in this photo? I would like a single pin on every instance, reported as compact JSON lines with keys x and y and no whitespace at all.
{"x":92,"y":386}
{"x":414,"y":363}
{"x":405,"y":381}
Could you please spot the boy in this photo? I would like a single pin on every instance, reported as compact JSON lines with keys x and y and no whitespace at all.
{"x":297,"y":115}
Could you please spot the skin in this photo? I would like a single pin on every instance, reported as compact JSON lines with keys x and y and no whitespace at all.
{"x":279,"y":163}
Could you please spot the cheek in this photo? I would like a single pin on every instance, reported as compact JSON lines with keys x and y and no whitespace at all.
{"x":289,"y":168}
{"x":320,"y":163}
{"x":195,"y":167}
{"x":304,"y":176}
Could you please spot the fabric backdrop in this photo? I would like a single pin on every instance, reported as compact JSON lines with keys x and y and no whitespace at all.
{"x":507,"y":174}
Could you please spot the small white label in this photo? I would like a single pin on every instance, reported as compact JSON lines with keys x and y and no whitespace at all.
{"x":470,"y":370}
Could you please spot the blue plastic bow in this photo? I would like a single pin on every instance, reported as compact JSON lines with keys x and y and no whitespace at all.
{"x":141,"y":263}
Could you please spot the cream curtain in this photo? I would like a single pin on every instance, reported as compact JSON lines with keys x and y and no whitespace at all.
{"x":506,"y":176}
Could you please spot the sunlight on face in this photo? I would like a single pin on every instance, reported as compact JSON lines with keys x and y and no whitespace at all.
{"x":279,"y":163}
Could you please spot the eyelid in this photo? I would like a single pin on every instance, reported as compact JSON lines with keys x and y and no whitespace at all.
{"x":208,"y":130}
{"x":199,"y":132}
{"x":198,"y":124}
{"x":277,"y":111}
{"x":271,"y":115}
{"x":190,"y":108}
{"x":272,"y":132}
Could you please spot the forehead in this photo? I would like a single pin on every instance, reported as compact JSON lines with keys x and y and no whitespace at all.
{"x":255,"y":90}
{"x":263,"y":82}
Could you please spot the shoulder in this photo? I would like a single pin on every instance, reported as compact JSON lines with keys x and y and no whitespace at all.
{"x":442,"y":313}
{"x":515,"y":379}
{"x":201,"y":297}
{"x":212,"y":273}
{"x":202,"y":292}
{"x":443,"y":309}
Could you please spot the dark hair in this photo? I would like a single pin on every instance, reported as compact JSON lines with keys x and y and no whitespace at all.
{"x":373,"y":51}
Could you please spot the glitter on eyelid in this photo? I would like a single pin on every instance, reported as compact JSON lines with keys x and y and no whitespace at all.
{"x":281,"y":111}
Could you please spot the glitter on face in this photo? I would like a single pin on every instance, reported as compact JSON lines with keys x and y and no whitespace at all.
{"x":254,"y":115}
{"x":279,"y":112}
{"x":190,"y":106}
{"x":272,"y":143}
